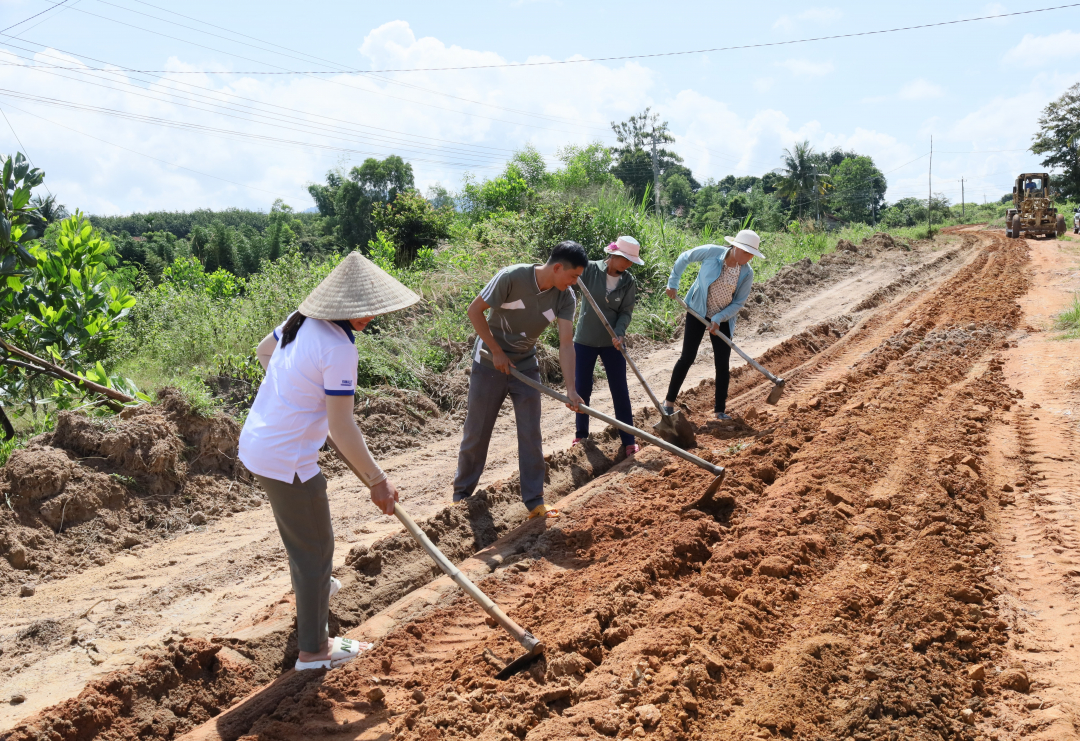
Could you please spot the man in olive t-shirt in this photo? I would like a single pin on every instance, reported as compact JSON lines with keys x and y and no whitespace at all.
{"x":520,"y":301}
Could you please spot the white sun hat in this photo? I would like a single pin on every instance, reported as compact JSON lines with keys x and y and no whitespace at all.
{"x":747,"y":240}
{"x":627,"y":247}
{"x":354,"y":289}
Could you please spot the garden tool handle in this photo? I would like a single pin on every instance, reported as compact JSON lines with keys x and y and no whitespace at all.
{"x":527,"y":640}
{"x":755,"y":364}
{"x":625,"y":354}
{"x":701,"y":462}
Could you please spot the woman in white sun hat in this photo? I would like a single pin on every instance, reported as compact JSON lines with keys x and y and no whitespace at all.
{"x":311,"y":364}
{"x":615,"y":292}
{"x":718,"y":293}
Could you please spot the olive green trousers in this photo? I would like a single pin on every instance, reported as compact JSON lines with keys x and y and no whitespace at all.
{"x":302,"y":511}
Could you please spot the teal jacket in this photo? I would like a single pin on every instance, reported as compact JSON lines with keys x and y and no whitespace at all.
{"x":711,"y":257}
{"x":618,"y":306}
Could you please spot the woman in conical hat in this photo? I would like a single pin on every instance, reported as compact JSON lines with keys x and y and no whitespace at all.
{"x":311,"y":363}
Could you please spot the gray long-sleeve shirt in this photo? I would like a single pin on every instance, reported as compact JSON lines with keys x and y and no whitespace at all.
{"x":618,"y":306}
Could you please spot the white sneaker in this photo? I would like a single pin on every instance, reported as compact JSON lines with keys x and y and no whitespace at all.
{"x":342,"y":651}
{"x":335,"y":586}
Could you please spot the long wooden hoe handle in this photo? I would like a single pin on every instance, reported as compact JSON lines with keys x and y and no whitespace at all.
{"x":625,"y":354}
{"x":527,"y":640}
{"x":714,"y":470}
{"x":753,"y":363}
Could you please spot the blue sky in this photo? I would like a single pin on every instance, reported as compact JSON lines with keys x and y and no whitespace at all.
{"x":116,"y":142}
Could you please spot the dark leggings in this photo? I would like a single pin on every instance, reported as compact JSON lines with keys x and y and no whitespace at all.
{"x":692,"y":335}
{"x":615,"y":367}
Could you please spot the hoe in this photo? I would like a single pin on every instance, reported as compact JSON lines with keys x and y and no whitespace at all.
{"x":532,"y":645}
{"x":778,"y":383}
{"x":717,"y":471}
{"x":675,"y":428}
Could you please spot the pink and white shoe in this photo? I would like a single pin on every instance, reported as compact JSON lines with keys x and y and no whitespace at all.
{"x":576,"y":441}
{"x":631,"y":449}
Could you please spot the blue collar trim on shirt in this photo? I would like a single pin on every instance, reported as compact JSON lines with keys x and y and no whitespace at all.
{"x":344,"y":324}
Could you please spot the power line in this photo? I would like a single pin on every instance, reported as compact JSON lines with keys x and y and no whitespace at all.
{"x":642,"y":56}
{"x":35,"y":15}
{"x":142,"y":154}
{"x":292,"y":72}
{"x":21,"y":145}
{"x":216,"y":103}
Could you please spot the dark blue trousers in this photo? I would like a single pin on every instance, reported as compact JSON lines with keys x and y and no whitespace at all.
{"x":615,"y":367}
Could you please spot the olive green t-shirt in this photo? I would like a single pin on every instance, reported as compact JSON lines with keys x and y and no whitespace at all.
{"x":520,"y":312}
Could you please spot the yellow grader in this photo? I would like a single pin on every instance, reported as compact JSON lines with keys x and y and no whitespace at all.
{"x":1033,"y":212}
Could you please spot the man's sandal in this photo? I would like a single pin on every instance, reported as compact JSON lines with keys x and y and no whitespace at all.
{"x":342,"y":650}
{"x":544,"y":510}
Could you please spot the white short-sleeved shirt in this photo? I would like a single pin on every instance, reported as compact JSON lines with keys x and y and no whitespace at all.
{"x":287,"y":423}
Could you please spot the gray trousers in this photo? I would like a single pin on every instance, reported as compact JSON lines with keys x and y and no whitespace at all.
{"x":487,"y":390}
{"x":302,"y":512}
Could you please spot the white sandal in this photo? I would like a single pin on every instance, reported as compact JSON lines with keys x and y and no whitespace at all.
{"x":335,"y":586}
{"x":342,"y":650}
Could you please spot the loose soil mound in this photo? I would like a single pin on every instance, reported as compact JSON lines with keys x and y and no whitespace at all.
{"x":838,"y":586}
{"x":97,"y":485}
{"x":169,"y":693}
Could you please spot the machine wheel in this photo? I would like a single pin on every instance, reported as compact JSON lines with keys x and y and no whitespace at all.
{"x":1060,"y":226}
{"x":1015,"y":227}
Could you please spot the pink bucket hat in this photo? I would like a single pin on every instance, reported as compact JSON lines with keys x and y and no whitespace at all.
{"x":627,"y":247}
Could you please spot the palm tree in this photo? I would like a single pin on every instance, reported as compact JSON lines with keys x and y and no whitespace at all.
{"x":49,"y":209}
{"x":803,"y":179}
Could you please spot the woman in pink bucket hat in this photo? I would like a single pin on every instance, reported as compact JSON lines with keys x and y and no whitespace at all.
{"x":615,"y":292}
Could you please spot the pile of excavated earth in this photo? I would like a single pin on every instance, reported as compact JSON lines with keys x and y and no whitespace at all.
{"x":853,"y":578}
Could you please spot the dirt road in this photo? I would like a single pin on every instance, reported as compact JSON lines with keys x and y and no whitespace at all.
{"x":891,"y":556}
{"x":217,"y":579}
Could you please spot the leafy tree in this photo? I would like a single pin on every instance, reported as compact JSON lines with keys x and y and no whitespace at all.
{"x":530,"y":163}
{"x":638,"y":135}
{"x":507,"y":192}
{"x":440,"y":197}
{"x":69,"y":313}
{"x":347,"y":199}
{"x":1059,"y":139}
{"x":804,"y":182}
{"x":49,"y":209}
{"x":912,"y":211}
{"x":20,"y":221}
{"x":411,"y":223}
{"x":678,"y":195}
{"x":858,"y":192}
{"x":583,"y":167}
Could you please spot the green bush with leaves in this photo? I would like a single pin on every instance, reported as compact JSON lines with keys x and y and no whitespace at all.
{"x":411,"y":223}
{"x":70,"y":312}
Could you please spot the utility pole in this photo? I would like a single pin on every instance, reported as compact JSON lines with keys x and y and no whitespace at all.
{"x":655,"y":171}
{"x":930,"y":188}
{"x":963,"y":213}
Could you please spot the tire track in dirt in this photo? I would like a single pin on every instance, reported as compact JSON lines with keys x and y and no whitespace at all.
{"x":838,"y":586}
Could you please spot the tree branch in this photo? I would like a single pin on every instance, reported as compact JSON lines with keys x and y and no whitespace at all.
{"x":59,"y":372}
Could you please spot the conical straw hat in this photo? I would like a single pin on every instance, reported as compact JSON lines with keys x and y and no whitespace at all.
{"x":356,"y":288}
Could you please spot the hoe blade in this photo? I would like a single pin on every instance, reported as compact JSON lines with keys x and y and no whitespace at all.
{"x":776,"y":393}
{"x":676,"y":429}
{"x":521,"y":663}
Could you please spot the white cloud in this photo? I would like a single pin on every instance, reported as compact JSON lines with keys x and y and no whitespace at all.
{"x":442,"y":136}
{"x":920,"y":89}
{"x":806,"y":68}
{"x":810,"y":16}
{"x":1035,"y":51}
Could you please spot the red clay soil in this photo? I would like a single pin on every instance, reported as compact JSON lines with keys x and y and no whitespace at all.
{"x":840,"y":585}
{"x":95,"y":486}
